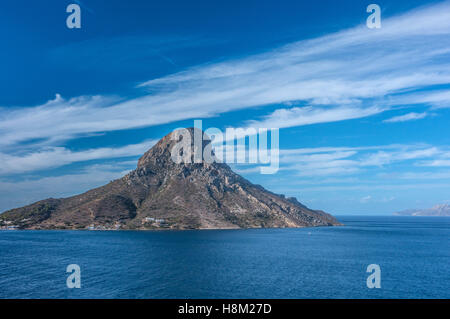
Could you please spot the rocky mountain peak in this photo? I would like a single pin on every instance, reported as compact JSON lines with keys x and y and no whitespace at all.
{"x":161,"y":154}
{"x":165,"y":194}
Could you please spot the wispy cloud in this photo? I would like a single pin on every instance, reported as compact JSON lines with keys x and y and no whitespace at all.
{"x":297,"y":116}
{"x":345,"y":75}
{"x":405,"y":153}
{"x":436,"y":163}
{"x":330,"y":164}
{"x":437,"y":99}
{"x":58,"y":156}
{"x":407,"y":117}
{"x":350,"y":161}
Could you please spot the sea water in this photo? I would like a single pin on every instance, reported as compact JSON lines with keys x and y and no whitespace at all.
{"x":325,"y":262}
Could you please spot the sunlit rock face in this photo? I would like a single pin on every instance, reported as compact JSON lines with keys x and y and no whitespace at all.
{"x":163,"y":194}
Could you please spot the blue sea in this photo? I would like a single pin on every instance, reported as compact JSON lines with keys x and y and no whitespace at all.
{"x":327,"y":262}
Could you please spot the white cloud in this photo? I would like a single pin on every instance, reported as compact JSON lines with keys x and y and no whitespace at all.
{"x":329,"y":161}
{"x":407,"y":117}
{"x":436,"y":163}
{"x":59,"y":156}
{"x":343,"y":70}
{"x":405,"y":153}
{"x":436,"y":98}
{"x":298,"y":116}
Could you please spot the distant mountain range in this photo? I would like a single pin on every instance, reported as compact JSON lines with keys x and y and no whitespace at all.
{"x":161,"y":194}
{"x":438,"y":210}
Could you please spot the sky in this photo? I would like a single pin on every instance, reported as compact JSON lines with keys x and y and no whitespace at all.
{"x":363,"y":113}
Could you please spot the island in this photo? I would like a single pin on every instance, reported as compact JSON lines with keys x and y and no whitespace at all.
{"x":438,"y":210}
{"x":162,"y":194}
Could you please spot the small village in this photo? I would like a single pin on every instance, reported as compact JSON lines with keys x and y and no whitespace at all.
{"x":8,"y":225}
{"x":155,"y":222}
{"x":147,"y":222}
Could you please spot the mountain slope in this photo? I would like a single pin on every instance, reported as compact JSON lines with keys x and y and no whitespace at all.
{"x":438,"y":210}
{"x":162,"y":194}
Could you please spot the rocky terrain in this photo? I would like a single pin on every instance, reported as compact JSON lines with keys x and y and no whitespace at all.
{"x":438,"y":210}
{"x":160,"y":194}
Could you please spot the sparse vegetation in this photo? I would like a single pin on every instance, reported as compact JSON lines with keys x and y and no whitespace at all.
{"x":207,"y":196}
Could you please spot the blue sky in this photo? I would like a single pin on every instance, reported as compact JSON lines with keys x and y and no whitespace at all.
{"x":363,"y":113}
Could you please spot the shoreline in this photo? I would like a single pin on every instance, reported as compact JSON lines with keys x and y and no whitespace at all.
{"x":189,"y":229}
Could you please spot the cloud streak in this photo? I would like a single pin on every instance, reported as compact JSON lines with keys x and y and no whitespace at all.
{"x":58,"y":156}
{"x":346,"y":75}
{"x":331,"y":161}
{"x":298,"y":116}
{"x":407,"y":117}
